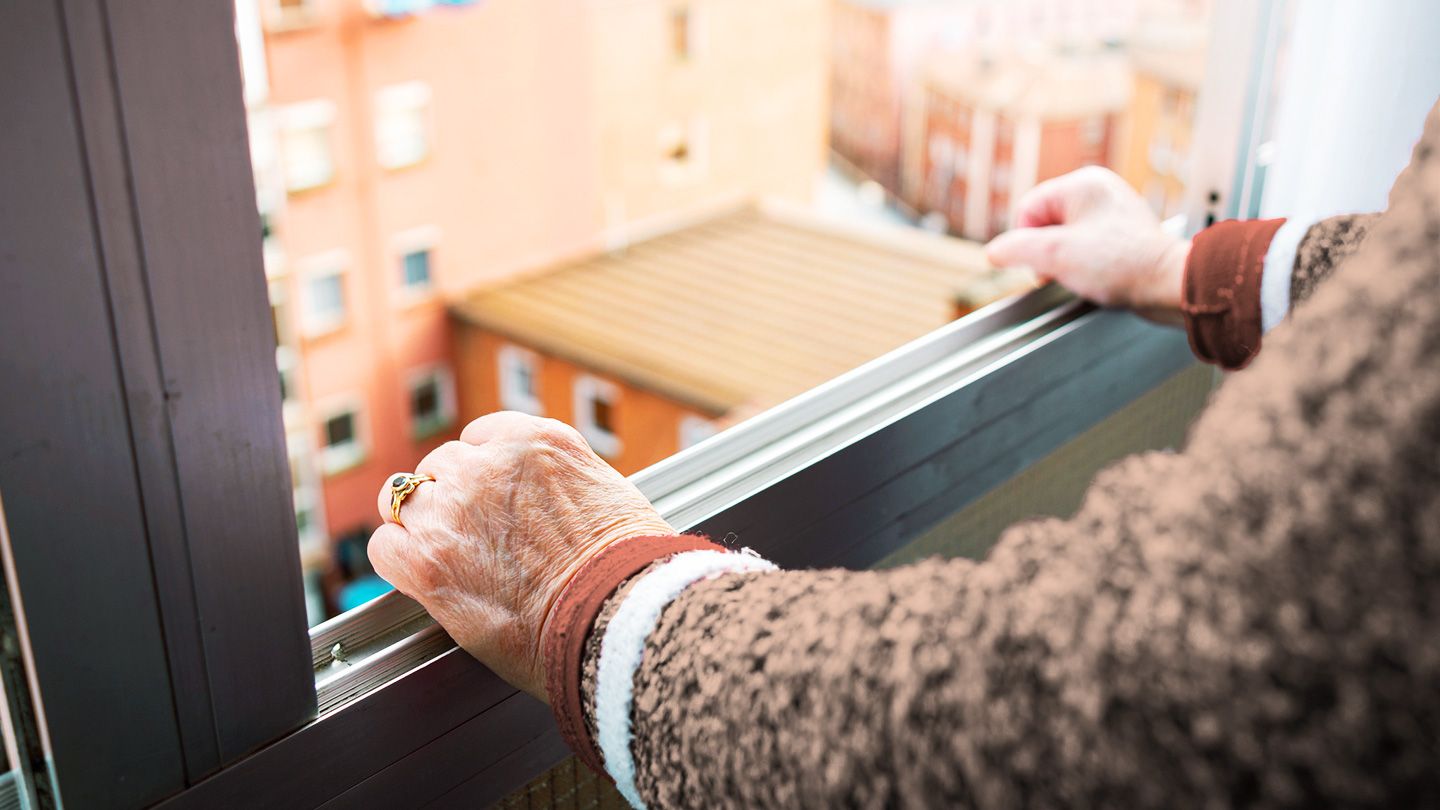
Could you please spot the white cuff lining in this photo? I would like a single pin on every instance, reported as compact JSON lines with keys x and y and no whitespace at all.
{"x":1279,"y":267}
{"x":624,"y":645}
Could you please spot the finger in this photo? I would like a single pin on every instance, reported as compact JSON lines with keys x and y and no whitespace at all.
{"x":385,"y":552}
{"x":1051,"y":202}
{"x":445,"y":461}
{"x":1061,"y":200}
{"x":1036,"y":248}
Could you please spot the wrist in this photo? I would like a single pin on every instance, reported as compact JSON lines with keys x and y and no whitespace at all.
{"x":1159,"y":292}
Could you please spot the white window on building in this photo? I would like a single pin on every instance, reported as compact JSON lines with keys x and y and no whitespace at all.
{"x":325,"y":307}
{"x":342,"y":443}
{"x":402,"y":124}
{"x":683,"y":151}
{"x":519,"y":380}
{"x":595,"y":404}
{"x":414,"y":252}
{"x":305,"y":150}
{"x":432,"y":400}
{"x":695,"y":429}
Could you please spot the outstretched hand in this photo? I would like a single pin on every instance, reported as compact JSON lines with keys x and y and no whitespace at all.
{"x":1092,"y":233}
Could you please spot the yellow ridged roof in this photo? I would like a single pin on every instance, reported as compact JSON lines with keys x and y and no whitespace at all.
{"x":744,"y":310}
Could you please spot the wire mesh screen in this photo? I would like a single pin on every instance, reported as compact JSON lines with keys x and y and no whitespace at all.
{"x":567,"y":786}
{"x":1055,"y":485}
{"x":1052,"y":486}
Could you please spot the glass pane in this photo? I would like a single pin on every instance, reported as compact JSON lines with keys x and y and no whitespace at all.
{"x":425,"y":401}
{"x":417,"y":268}
{"x":709,"y":206}
{"x":339,"y":430}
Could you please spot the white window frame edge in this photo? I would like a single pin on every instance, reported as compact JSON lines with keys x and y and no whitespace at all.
{"x":507,"y":358}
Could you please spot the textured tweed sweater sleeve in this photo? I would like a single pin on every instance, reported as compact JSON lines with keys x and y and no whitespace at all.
{"x":1326,"y":245}
{"x":1254,"y":621}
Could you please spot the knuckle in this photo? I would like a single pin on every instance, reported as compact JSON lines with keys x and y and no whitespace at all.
{"x":554,"y":430}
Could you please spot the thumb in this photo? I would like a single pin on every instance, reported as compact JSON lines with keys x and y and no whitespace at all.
{"x":1039,"y":249}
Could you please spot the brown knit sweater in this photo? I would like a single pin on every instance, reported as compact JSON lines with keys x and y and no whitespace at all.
{"x":1254,"y":621}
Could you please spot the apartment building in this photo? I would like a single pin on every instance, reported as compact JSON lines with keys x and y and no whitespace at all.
{"x":880,"y":49}
{"x":409,"y":152}
{"x":995,"y":125}
{"x":650,"y":350}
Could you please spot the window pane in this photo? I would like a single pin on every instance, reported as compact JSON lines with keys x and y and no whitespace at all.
{"x":340,"y":429}
{"x":602,"y":415}
{"x":416,"y":268}
{"x":425,"y":400}
{"x":703,"y":210}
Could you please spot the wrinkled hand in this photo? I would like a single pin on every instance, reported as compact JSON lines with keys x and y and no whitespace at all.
{"x":518,"y":505}
{"x":1092,"y":233}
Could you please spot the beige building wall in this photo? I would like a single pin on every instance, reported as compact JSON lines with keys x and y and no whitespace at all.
{"x":739,"y":110}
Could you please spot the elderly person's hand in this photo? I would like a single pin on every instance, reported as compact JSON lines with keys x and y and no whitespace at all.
{"x":517,"y":506}
{"x":1089,"y":231}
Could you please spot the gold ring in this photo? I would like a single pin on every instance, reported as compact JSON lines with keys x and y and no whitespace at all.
{"x":400,"y":488}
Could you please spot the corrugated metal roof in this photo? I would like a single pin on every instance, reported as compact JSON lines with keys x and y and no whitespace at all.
{"x":742,"y":311}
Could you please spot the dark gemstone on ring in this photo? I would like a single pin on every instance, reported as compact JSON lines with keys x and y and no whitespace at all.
{"x":398,"y":481}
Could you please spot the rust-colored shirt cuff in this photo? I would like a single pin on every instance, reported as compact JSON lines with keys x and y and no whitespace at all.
{"x":574,"y":613}
{"x":1221,"y":295}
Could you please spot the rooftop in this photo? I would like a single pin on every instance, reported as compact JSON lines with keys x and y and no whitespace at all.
{"x":1050,"y":84}
{"x":744,"y":310}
